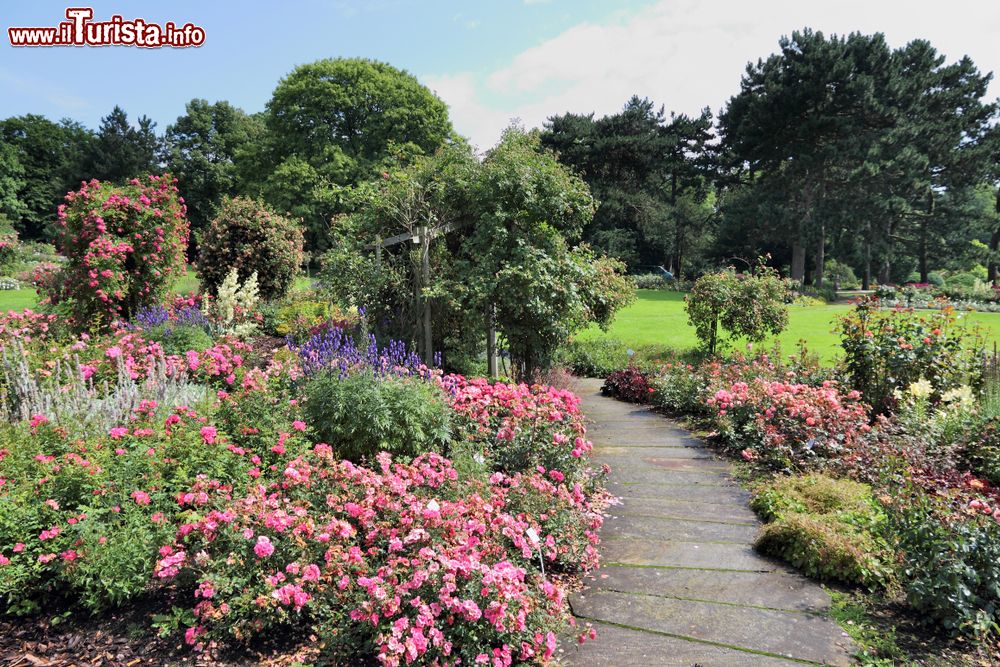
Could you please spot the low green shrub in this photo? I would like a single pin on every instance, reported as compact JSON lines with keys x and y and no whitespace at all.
{"x":361,"y":414}
{"x":980,"y":451}
{"x":650,"y":281}
{"x":178,"y":339}
{"x":828,"y":528}
{"x":601,"y":357}
{"x":950,"y":566}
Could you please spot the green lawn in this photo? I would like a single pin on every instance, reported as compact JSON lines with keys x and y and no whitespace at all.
{"x":26,"y":298}
{"x":658,"y":317}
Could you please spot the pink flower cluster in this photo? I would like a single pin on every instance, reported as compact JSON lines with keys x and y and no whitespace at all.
{"x":124,"y":245}
{"x":523,"y":427}
{"x":795,"y":424}
{"x":426,"y":568}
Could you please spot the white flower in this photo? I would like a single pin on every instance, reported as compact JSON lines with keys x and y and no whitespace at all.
{"x":922,"y":388}
{"x":960,"y":395}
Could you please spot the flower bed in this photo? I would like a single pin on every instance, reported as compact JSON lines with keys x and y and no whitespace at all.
{"x":233,"y":510}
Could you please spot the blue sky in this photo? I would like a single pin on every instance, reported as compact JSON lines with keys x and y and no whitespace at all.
{"x":491,"y":60}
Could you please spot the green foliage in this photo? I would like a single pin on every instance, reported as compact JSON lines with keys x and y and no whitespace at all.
{"x":334,"y":123}
{"x":360,"y":415}
{"x":120,"y":151}
{"x":750,"y":306}
{"x":979,"y":449}
{"x":12,"y":181}
{"x":102,"y":495}
{"x":594,"y":358}
{"x":201,"y":148}
{"x":649,"y":281}
{"x":520,"y":260}
{"x":180,"y":338}
{"x":600,"y":357}
{"x":248,"y":236}
{"x":301,"y":313}
{"x":840,"y":275}
{"x":515,"y":254}
{"x":828,"y":528}
{"x":10,"y":248}
{"x":647,"y":173}
{"x":887,"y":350}
{"x":53,"y":154}
{"x":949,"y":567}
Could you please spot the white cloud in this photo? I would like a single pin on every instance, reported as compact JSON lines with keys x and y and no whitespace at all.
{"x":687,"y":55}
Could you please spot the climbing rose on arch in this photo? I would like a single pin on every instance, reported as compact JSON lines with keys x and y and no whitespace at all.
{"x":124,"y":245}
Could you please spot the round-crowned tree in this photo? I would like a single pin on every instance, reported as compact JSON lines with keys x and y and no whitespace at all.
{"x":249,"y":236}
{"x":124,"y":246}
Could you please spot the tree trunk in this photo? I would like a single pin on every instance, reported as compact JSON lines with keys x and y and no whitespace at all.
{"x":924,"y":231}
{"x":992,"y":267}
{"x":820,"y":257}
{"x":425,"y":239}
{"x":798,"y":261}
{"x":994,"y":246}
{"x":866,"y":280}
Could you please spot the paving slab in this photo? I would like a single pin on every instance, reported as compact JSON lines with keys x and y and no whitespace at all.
{"x":646,"y":552}
{"x":684,"y":507}
{"x":679,"y":490}
{"x":774,"y":590}
{"x":681,"y":583}
{"x":683,"y":529}
{"x":627,"y":647}
{"x":781,"y":633}
{"x":610,"y":453}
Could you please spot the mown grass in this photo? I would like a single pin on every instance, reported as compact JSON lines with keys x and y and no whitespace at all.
{"x":658,"y":317}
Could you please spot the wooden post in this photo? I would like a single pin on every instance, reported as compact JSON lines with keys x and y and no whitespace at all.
{"x":378,"y":253}
{"x":491,"y":343}
{"x":425,"y":242}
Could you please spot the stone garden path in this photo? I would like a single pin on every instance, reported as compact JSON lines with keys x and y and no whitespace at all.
{"x":680,"y":583}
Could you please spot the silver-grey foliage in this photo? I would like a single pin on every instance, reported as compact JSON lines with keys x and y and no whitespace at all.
{"x":68,"y":398}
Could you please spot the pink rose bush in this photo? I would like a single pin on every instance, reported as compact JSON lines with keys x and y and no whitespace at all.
{"x":521,"y":427}
{"x":790,"y":424}
{"x":124,"y":246}
{"x":406,"y":559}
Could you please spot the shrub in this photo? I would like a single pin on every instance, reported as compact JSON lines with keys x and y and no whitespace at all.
{"x":520,"y":428}
{"x":9,"y":249}
{"x":124,"y":246}
{"x":950,"y":565}
{"x":887,"y":350}
{"x":360,"y":414}
{"x":87,"y":513}
{"x":649,"y":281}
{"x":247,"y":236}
{"x":748,"y":306}
{"x":629,"y":384}
{"x":979,"y":450}
{"x":790,"y":425}
{"x":840,"y":275}
{"x":828,"y":528}
{"x":301,"y":317}
{"x":181,"y":338}
{"x":600,"y":357}
{"x":382,"y":568}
